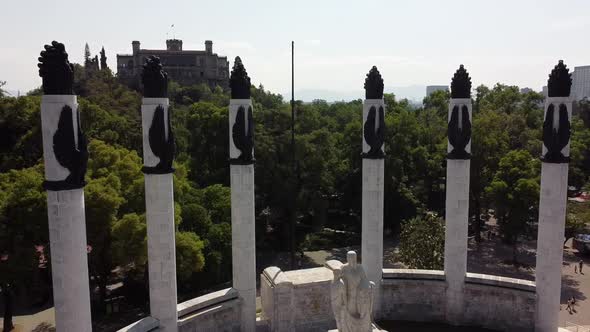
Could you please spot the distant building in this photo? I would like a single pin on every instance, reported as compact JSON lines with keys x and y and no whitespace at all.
{"x":526,"y":90}
{"x":431,"y":88}
{"x":545,"y":91}
{"x":185,"y":67}
{"x":581,"y":83}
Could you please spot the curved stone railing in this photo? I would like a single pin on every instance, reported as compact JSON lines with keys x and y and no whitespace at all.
{"x":493,"y":302}
{"x":300,"y":300}
{"x":145,"y":324}
{"x":216,"y":311}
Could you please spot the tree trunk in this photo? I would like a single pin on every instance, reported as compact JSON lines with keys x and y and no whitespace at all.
{"x":477,"y":220}
{"x":7,"y":295}
{"x":515,"y":252}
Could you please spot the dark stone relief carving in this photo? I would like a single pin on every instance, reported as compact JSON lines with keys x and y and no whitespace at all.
{"x":162,"y":147}
{"x":459,"y":135}
{"x":461,"y":84}
{"x":556,"y":139}
{"x":154,"y":79}
{"x":374,"y":136}
{"x":374,"y":84}
{"x":560,"y":81}
{"x":56,"y":71}
{"x":239,"y":82}
{"x":243,"y":137}
{"x":74,"y":159}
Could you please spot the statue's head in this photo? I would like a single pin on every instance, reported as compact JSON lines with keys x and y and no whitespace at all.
{"x":351,"y":258}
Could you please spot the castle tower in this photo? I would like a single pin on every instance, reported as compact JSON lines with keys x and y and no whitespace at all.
{"x":135,"y":46}
{"x":174,"y":45}
{"x":209,"y":46}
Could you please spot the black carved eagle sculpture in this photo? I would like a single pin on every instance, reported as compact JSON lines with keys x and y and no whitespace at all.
{"x":459,"y":132}
{"x":154,"y":79}
{"x":560,"y":81}
{"x":556,"y":139}
{"x":243,"y":136}
{"x":68,"y":155}
{"x":239,"y":81}
{"x":162,"y":146}
{"x":374,"y":136}
{"x":56,"y":71}
{"x":374,"y":84}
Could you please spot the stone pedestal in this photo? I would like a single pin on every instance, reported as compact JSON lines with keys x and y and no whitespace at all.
{"x":243,"y":227}
{"x":67,"y":227}
{"x":69,"y":260}
{"x":457,"y":209}
{"x":552,"y":209}
{"x":372,"y":210}
{"x":550,"y":238}
{"x":456,"y":224}
{"x":159,"y":200}
{"x":372,"y":218}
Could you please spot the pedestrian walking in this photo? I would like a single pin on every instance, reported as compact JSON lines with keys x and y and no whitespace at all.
{"x":569,"y":306}
{"x":581,"y":265}
{"x":575,"y":268}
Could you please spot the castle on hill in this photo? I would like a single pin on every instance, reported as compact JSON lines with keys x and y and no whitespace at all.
{"x":186,"y":67}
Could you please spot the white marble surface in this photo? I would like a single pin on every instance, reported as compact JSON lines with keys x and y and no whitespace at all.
{"x":51,"y":107}
{"x":148,"y":107}
{"x":159,"y":203}
{"x":351,"y":296}
{"x":552,"y":207}
{"x":69,"y":260}
{"x":243,"y":241}
{"x":372,"y":222}
{"x":145,"y":324}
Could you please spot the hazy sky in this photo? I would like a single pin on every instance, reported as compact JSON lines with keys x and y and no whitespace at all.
{"x":336,"y":42}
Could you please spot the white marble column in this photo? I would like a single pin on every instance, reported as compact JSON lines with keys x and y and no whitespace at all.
{"x":243,"y":223}
{"x":67,"y":227}
{"x":159,"y":202}
{"x":456,"y":222}
{"x":372,"y":209}
{"x":552,"y":209}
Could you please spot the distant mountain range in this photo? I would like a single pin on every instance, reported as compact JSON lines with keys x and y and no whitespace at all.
{"x":414,"y":93}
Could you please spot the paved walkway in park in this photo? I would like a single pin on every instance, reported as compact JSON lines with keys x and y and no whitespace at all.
{"x":42,"y":321}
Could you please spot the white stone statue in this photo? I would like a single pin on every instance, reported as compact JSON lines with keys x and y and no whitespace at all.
{"x":352,"y":297}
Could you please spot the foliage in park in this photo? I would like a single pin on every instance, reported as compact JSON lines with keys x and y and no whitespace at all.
{"x":514,"y":192}
{"x":422,"y":242}
{"x":506,"y":133}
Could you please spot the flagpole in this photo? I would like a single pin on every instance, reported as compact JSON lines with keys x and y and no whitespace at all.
{"x":293,"y":188}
